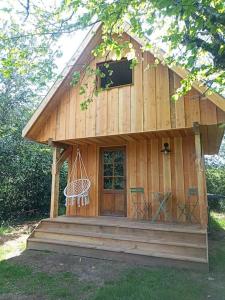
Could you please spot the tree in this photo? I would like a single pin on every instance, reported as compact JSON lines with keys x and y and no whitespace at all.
{"x":192,"y":31}
{"x":27,"y":67}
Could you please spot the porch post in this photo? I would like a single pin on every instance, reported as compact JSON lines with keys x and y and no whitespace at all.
{"x":55,"y":184}
{"x":200,"y":170}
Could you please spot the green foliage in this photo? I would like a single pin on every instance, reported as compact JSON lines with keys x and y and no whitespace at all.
{"x":192,"y":32}
{"x":75,"y":78}
{"x":26,"y":67}
{"x":25,"y":176}
{"x":215,"y":178}
{"x":216,"y":185}
{"x":5,"y":230}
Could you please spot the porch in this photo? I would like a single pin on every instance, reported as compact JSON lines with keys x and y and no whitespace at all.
{"x":122,"y":239}
{"x":159,"y":200}
{"x":143,"y":181}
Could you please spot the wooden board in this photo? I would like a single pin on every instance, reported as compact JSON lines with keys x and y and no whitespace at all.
{"x":112,"y":195}
{"x":144,"y":105}
{"x":150,"y":169}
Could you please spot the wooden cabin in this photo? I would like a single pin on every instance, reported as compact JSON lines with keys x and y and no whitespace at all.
{"x":143,"y":154}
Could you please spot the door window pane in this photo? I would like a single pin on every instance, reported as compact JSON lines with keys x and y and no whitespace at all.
{"x":108,"y":170}
{"x":108,"y":183}
{"x":119,"y":183}
{"x":108,"y":157}
{"x":118,"y":157}
{"x":118,"y":171}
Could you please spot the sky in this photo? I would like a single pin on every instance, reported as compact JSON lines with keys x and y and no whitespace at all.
{"x":68,"y":45}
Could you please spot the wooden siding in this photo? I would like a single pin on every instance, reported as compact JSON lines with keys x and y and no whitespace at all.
{"x":143,"y":106}
{"x":147,"y":167}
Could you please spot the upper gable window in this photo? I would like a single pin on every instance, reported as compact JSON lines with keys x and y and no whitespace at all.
{"x":115,"y":73}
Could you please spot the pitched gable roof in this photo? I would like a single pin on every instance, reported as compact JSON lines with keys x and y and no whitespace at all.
{"x":217,"y":99}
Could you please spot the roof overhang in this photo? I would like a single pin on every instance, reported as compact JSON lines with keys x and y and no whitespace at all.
{"x":211,"y":136}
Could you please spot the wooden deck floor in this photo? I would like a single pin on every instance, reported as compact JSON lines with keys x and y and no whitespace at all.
{"x":131,"y":223}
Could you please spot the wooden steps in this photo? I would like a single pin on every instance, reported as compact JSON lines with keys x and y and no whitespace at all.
{"x":115,"y":238}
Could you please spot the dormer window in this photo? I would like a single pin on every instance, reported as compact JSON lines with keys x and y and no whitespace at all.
{"x":115,"y":73}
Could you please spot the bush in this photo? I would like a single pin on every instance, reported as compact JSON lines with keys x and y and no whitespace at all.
{"x":25,"y":181}
{"x":215,"y":177}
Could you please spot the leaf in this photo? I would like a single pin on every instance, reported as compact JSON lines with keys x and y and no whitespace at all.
{"x":82,"y":90}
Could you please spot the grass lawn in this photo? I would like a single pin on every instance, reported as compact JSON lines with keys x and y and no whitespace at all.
{"x":45,"y":275}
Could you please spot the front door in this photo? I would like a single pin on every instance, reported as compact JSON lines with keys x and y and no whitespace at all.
{"x":113,"y":182}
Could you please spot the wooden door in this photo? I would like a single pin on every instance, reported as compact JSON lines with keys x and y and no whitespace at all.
{"x":113,"y":182}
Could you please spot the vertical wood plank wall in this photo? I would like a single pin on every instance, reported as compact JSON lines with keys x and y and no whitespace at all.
{"x":143,"y":106}
{"x":147,"y":167}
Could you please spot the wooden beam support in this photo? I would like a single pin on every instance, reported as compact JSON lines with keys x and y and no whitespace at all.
{"x":57,"y":144}
{"x":196,"y":128}
{"x":55,"y":184}
{"x":200,"y":170}
{"x":63,"y":156}
{"x":58,"y":160}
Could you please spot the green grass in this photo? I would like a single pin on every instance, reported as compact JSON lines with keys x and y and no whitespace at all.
{"x":134,"y":283}
{"x":5,"y":230}
{"x":153,"y":284}
{"x":23,"y":280}
{"x":8,"y":250}
{"x":217,"y":221}
{"x":9,"y":247}
{"x":130,"y":284}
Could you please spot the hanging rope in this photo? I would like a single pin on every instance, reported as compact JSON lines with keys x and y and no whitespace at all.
{"x":77,"y":189}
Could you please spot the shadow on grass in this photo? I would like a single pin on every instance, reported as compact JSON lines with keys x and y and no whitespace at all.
{"x":217,"y":256}
{"x":23,"y":280}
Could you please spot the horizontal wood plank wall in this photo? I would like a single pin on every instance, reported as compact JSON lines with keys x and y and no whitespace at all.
{"x":143,"y":106}
{"x":149,"y":168}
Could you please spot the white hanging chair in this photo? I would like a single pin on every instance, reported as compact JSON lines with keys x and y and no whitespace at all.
{"x":77,"y":190}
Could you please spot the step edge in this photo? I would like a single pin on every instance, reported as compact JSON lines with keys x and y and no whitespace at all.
{"x":90,"y":246}
{"x":119,"y":237}
{"x":191,"y":231}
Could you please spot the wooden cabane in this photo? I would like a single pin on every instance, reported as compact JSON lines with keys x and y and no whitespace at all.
{"x":136,"y":122}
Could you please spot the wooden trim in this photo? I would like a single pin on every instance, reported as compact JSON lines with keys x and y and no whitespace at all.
{"x":60,"y":145}
{"x":55,"y":184}
{"x":58,"y":160}
{"x":119,"y":86}
{"x":63,"y":156}
{"x":98,"y":81}
{"x":100,"y":180}
{"x":200,"y":170}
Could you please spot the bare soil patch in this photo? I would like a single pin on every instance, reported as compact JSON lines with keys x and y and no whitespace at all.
{"x":17,"y":231}
{"x":86,"y":269}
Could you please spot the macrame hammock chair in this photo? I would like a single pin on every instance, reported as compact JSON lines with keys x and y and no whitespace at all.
{"x":77,"y":189}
